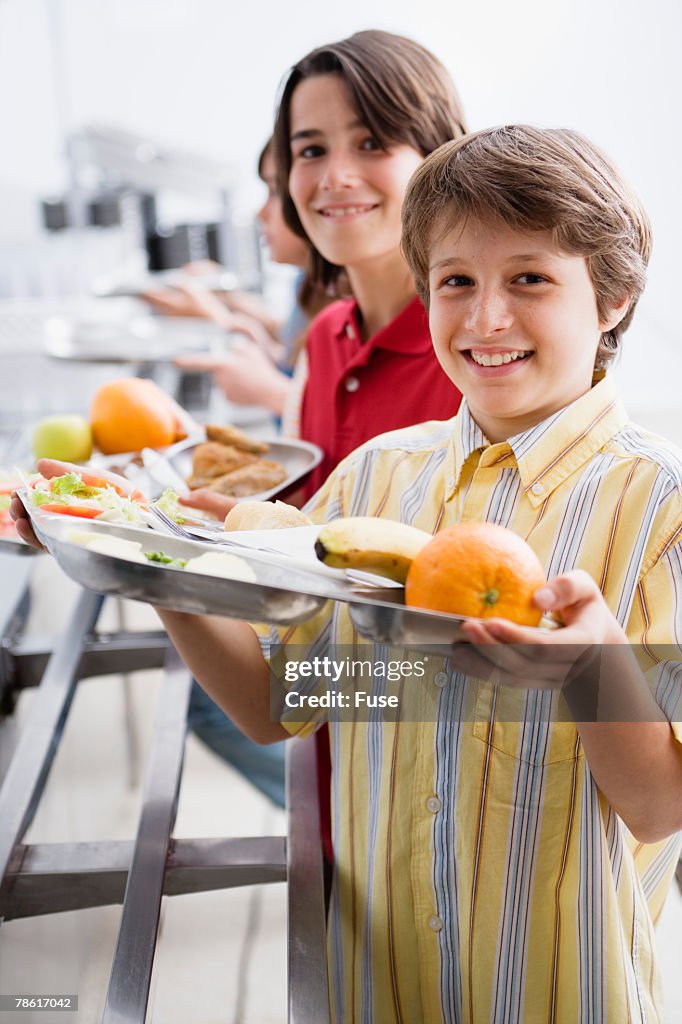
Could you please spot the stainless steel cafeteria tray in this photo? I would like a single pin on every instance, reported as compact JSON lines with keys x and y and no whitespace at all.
{"x":282,"y":594}
{"x":383,"y":617}
{"x":15,"y":546}
{"x":136,"y":285}
{"x":142,"y":339}
{"x":297,"y":457}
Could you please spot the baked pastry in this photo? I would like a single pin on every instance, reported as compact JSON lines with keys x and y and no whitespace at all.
{"x":237,"y":438}
{"x":212,"y":459}
{"x":264,"y":515}
{"x":260,"y":475}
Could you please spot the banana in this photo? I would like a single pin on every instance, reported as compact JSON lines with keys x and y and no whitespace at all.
{"x":380,"y":546}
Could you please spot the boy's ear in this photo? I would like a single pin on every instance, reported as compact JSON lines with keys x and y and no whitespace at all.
{"x":615,"y":315}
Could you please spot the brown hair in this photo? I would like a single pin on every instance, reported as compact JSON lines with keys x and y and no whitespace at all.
{"x":536,"y":179}
{"x":311,"y":297}
{"x":402,"y":93}
{"x":262,"y":157}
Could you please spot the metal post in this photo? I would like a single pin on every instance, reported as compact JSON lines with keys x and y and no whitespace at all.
{"x":306,"y":926}
{"x":25,"y":780}
{"x":130,"y":979}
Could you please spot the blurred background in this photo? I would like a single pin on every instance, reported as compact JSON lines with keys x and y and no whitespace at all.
{"x":130,"y":131}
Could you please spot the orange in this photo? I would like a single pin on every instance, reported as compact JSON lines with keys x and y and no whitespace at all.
{"x":129,"y":414}
{"x":477,"y":569}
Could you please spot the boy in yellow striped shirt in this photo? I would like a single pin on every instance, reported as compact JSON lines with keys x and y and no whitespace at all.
{"x":501,"y":856}
{"x":498,"y":859}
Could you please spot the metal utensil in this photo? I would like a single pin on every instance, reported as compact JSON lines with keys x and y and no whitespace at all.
{"x":220,"y":539}
{"x":160,"y":470}
{"x":360,"y":580}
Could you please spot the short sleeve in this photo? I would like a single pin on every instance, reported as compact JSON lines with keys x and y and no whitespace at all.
{"x":655,"y":630}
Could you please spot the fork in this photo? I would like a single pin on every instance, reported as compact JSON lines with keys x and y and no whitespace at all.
{"x":361,"y":580}
{"x":221,"y":539}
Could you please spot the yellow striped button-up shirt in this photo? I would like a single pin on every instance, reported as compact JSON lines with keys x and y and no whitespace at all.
{"x":480,"y":874}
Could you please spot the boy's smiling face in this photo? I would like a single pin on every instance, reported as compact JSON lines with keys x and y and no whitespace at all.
{"x":347,"y":190}
{"x":514,"y":323}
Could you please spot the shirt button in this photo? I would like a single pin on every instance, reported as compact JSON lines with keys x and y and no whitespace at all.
{"x":351,"y":384}
{"x":435,"y":923}
{"x":433,"y":804}
{"x":537,"y":489}
{"x":440,"y":678}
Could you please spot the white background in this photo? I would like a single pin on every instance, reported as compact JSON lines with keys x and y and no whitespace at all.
{"x":203,"y":74}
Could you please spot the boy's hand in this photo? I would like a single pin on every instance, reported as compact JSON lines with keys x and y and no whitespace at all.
{"x":517,"y":656}
{"x":245,"y":375}
{"x":53,"y":467}
{"x":23,"y":524}
{"x":191,"y":300}
{"x":202,"y":498}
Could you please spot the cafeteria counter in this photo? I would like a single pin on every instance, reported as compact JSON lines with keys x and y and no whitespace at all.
{"x":47,"y":878}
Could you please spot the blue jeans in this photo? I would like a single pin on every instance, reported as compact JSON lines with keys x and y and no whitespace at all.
{"x":262,"y":766}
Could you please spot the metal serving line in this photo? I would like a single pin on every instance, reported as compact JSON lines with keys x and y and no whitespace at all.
{"x":48,"y":878}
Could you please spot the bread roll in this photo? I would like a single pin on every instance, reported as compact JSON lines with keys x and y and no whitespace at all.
{"x":264,"y":515}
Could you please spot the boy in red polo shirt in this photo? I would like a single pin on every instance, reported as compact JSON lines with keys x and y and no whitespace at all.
{"x":355,"y":119}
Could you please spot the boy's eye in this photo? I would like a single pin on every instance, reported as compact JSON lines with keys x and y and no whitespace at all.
{"x":309,"y":152}
{"x":457,"y":281}
{"x":530,"y":278}
{"x":370,"y":143}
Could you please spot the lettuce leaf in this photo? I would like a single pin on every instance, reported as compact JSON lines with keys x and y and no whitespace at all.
{"x":168,"y":503}
{"x":71,"y":484}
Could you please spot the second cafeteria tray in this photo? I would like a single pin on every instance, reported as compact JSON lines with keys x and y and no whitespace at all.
{"x":140,"y":339}
{"x":297,"y":457}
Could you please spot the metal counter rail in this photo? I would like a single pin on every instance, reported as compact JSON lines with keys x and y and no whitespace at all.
{"x":102,"y":654}
{"x":26,"y":776}
{"x":16,"y":574}
{"x":49,"y":878}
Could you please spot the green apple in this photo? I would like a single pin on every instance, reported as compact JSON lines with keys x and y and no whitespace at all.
{"x":62,"y":437}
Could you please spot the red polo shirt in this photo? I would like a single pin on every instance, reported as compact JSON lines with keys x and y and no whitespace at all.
{"x":356,"y":390}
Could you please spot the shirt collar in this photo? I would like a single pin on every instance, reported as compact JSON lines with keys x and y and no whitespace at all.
{"x":550,"y":451}
{"x":408,"y":332}
{"x":467,"y":440}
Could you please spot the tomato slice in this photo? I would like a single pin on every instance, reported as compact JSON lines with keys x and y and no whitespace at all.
{"x":98,"y":481}
{"x":82,"y":511}
{"x":89,"y":480}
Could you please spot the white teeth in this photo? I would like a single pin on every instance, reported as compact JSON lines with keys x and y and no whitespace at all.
{"x":346,"y":211}
{"x":496,"y":358}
